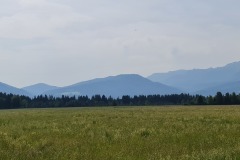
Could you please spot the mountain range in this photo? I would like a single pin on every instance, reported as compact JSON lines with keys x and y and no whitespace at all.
{"x":38,"y":89}
{"x":116,"y":86}
{"x":203,"y":81}
{"x":197,"y":81}
{"x":5,"y":88}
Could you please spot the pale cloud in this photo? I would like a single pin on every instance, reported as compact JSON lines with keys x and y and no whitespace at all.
{"x":65,"y":41}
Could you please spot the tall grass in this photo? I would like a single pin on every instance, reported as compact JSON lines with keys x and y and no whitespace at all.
{"x":121,"y":133}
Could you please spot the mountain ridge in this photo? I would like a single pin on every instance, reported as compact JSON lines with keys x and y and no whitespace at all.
{"x":223,"y":88}
{"x":39,"y":88}
{"x":5,"y":88}
{"x":115,"y":86}
{"x":195,"y":80}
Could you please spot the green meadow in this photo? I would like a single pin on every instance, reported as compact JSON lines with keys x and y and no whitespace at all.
{"x":124,"y":133}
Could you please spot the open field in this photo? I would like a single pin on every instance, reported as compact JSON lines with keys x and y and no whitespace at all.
{"x":192,"y":132}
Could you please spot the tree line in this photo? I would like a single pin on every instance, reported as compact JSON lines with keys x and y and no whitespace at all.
{"x":10,"y":101}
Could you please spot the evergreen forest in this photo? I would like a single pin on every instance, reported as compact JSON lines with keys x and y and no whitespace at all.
{"x":10,"y":101}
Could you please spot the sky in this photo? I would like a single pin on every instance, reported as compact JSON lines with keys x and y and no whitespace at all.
{"x":62,"y":42}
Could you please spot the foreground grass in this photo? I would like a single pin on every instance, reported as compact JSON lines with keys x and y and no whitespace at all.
{"x":121,"y":133}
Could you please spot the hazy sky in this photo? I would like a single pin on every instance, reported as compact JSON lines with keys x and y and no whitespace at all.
{"x":62,"y":42}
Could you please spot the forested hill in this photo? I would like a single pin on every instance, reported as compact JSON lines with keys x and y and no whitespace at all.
{"x":10,"y":101}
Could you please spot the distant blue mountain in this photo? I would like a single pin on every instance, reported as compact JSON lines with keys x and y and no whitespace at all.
{"x":224,"y":88}
{"x":115,"y":86}
{"x":200,"y":80}
{"x":4,"y":88}
{"x":38,"y":89}
{"x":196,"y":81}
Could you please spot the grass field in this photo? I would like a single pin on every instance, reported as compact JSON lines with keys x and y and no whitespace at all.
{"x":121,"y":133}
